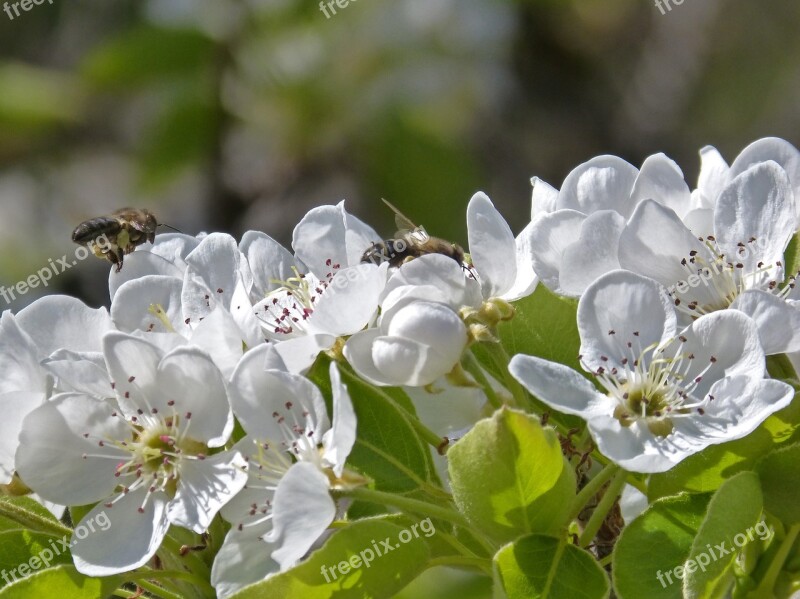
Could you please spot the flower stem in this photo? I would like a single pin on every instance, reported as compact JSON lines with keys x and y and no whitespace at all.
{"x":423,"y":431}
{"x":417,"y":506}
{"x":458,"y":560}
{"x":592,"y":488}
{"x":602,"y":509}
{"x":32,"y":520}
{"x":408,"y":504}
{"x":143,"y":578}
{"x":501,"y":359}
{"x":474,"y":367}
{"x":767,"y":584}
{"x":780,"y":367}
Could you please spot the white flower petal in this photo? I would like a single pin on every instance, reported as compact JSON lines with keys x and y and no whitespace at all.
{"x":60,"y":321}
{"x":619,"y":316}
{"x":560,"y":387}
{"x":242,"y":560}
{"x":714,"y":176}
{"x":403,"y":361}
{"x":543,"y":197}
{"x":204,"y":487}
{"x":81,"y":372}
{"x":593,"y":254}
{"x":448,"y":409}
{"x":776,"y":149}
{"x":350,"y":301}
{"x":655,"y":243}
{"x":128,"y":541}
{"x":269,"y":262}
{"x":239,"y":510}
{"x":212,"y":275}
{"x":551,"y":236}
{"x":328,"y":235}
{"x":661,"y":179}
{"x":15,"y":405}
{"x":220,"y":336}
{"x":602,"y":183}
{"x":440,"y":272}
{"x":634,"y":447}
{"x":723,"y":343}
{"x":135,"y":303}
{"x":256,"y":395}
{"x":244,"y":316}
{"x":173,"y":247}
{"x":756,"y":209}
{"x":141,"y":264}
{"x":526,"y":281}
{"x":302,"y":511}
{"x":188,"y":377}
{"x":132,"y":363}
{"x":339,"y":440}
{"x":632,"y":502}
{"x":491,"y":246}
{"x":298,"y":355}
{"x":358,"y":352}
{"x":740,"y":404}
{"x":50,"y":458}
{"x":778,"y":321}
{"x":20,"y":359}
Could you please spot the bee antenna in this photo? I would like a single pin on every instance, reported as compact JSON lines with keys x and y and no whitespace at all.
{"x":170,"y":227}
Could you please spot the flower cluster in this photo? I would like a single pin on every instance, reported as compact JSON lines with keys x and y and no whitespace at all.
{"x":221,"y":390}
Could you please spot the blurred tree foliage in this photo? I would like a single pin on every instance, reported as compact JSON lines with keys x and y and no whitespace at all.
{"x":239,"y":114}
{"x":243,"y":114}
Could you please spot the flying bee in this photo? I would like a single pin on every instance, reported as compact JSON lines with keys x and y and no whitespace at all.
{"x":409,"y":242}
{"x":118,"y":234}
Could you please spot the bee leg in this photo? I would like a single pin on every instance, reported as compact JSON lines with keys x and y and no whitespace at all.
{"x":115,"y":257}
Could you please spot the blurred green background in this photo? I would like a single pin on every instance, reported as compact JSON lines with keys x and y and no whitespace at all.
{"x":243,"y":114}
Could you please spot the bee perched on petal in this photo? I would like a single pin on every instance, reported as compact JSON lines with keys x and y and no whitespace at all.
{"x":410,"y":242}
{"x":118,"y":234}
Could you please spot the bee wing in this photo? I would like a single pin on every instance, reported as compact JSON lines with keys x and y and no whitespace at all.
{"x":401,"y":221}
{"x":131,"y":217}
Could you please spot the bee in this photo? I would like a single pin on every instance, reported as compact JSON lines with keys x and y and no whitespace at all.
{"x":118,"y":234}
{"x":409,"y":242}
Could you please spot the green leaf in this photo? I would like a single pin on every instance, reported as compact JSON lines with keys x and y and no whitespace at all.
{"x":34,"y":98}
{"x":62,"y":581}
{"x":654,"y":544}
{"x":501,"y":468}
{"x":792,"y":255}
{"x":23,"y":552}
{"x":707,"y":470}
{"x":182,"y":135}
{"x":539,"y":566}
{"x":734,"y":509}
{"x":779,"y":473}
{"x":24,"y":512}
{"x":546,"y":326}
{"x":549,"y":513}
{"x":378,"y":572}
{"x":145,"y":54}
{"x":387,"y":447}
{"x":426,"y":167}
